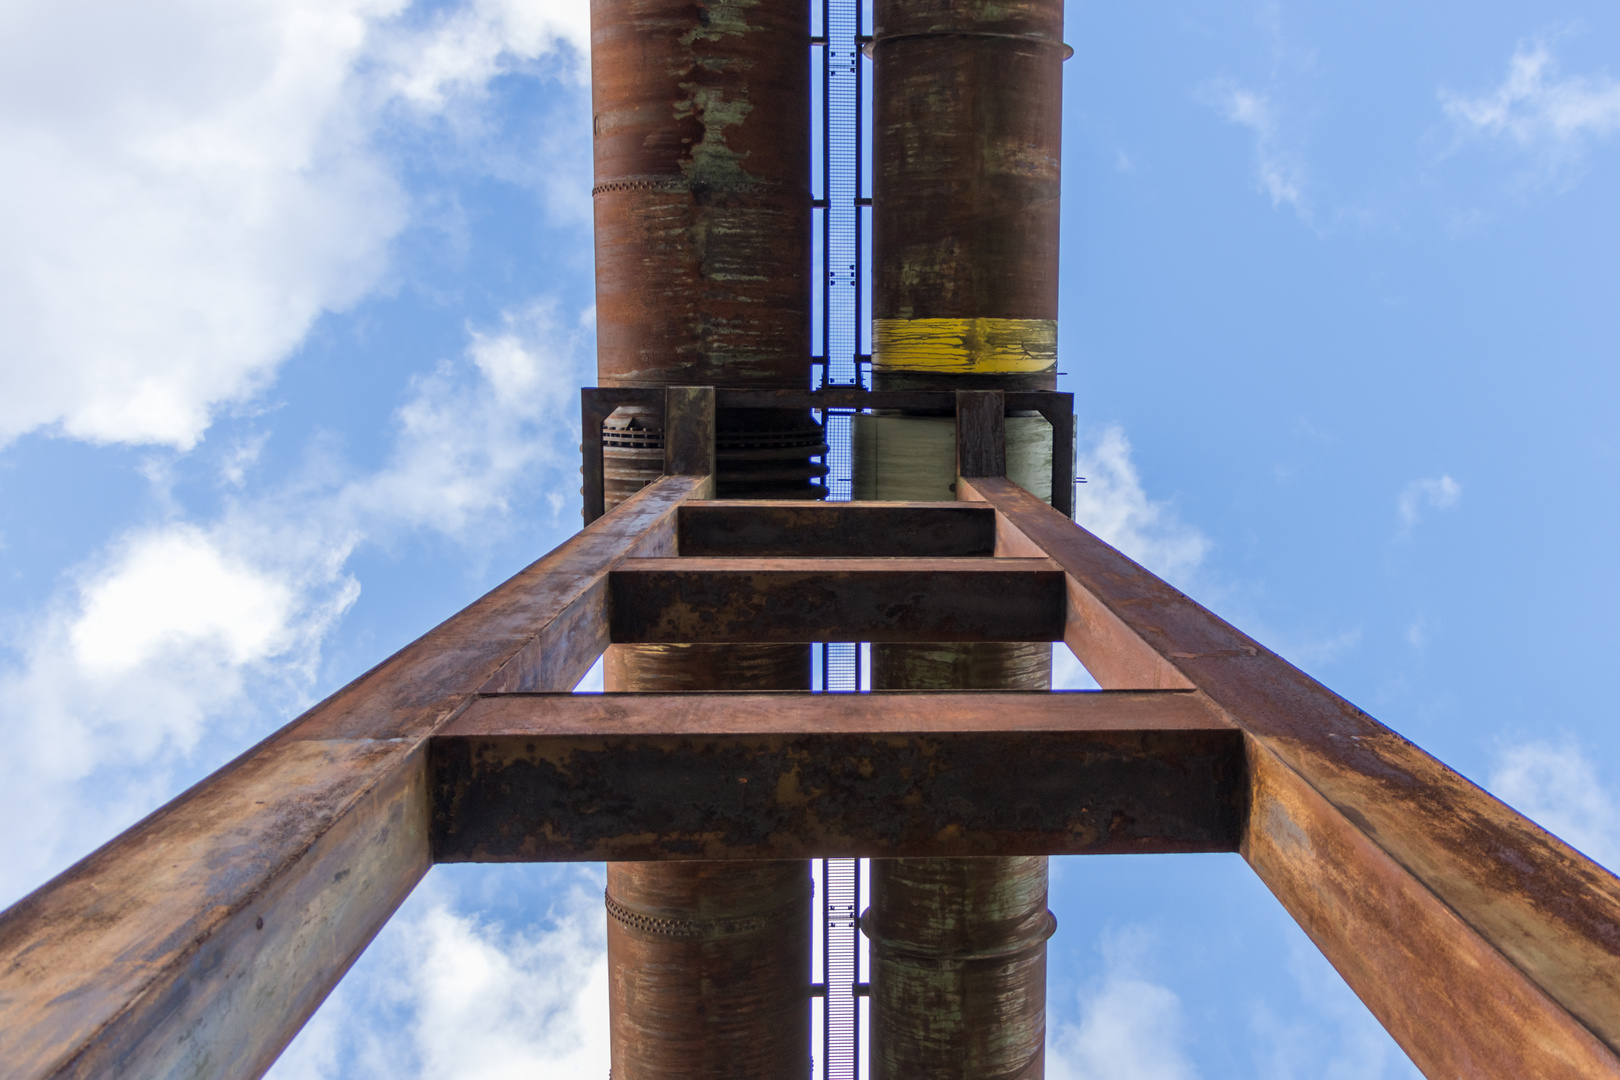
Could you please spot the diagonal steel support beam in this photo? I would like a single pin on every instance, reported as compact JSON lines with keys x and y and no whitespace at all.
{"x":199,"y":941}
{"x":1486,"y":946}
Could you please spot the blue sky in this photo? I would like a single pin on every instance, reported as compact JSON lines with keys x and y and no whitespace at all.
{"x":296,"y":297}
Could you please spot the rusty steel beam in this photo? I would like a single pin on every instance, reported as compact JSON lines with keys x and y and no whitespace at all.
{"x":981,"y":433}
{"x":836,"y":530}
{"x":689,"y":422}
{"x":200,"y":940}
{"x":789,"y":600}
{"x":1485,"y":945}
{"x":777,"y":776}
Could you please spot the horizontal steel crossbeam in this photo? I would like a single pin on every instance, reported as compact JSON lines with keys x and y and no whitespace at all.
{"x":785,"y":776}
{"x":786,"y":600}
{"x":198,"y":941}
{"x":757,"y":529}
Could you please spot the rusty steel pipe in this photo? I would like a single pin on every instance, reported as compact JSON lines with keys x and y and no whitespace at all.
{"x":702,"y":212}
{"x":958,"y":967}
{"x":702,"y":196}
{"x":967,"y":101}
{"x":958,"y":945}
{"x":966,"y":136}
{"x":708,"y":962}
{"x":709,"y":968}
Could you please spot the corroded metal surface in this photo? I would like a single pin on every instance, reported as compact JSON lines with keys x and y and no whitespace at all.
{"x":966,"y":138}
{"x":197,"y":942}
{"x":958,"y":967}
{"x":958,"y":945}
{"x":963,"y":665}
{"x":702,"y":192}
{"x":785,"y":600}
{"x":760,"y":454}
{"x":725,"y":996}
{"x":709,"y":965}
{"x":1485,"y":945}
{"x":837,"y":530}
{"x":761,"y":776}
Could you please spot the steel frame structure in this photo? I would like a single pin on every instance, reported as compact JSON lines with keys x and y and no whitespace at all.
{"x":199,"y":941}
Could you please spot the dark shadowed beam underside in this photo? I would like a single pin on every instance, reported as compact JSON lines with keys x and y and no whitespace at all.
{"x":777,"y":776}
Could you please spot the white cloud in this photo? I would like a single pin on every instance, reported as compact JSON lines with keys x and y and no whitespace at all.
{"x":1113,"y":504}
{"x":444,"y":995}
{"x":460,"y":50}
{"x":1557,"y":787}
{"x":184,"y":629}
{"x":1440,"y":493}
{"x":189,"y":186}
{"x":464,"y":445}
{"x":1129,"y":1028}
{"x":1278,"y":169}
{"x":179,"y":629}
{"x":1538,"y":112}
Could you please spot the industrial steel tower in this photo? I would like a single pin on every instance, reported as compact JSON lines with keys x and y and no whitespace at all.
{"x":772,"y":483}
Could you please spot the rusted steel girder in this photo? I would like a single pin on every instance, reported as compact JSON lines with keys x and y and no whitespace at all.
{"x":196,"y":942}
{"x":762,"y":776}
{"x":878,"y":600}
{"x":199,"y":941}
{"x":837,"y":530}
{"x":1484,"y":945}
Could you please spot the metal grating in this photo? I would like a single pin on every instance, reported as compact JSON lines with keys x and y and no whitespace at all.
{"x":840,"y":290}
{"x":840,"y":899}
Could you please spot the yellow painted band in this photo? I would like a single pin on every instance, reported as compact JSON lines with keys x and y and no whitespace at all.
{"x":965,"y":346}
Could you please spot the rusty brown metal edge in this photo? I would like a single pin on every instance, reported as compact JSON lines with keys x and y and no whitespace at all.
{"x":878,"y":712}
{"x":598,"y":402}
{"x":605,"y":399}
{"x":789,"y":600}
{"x":1550,"y":916}
{"x":528,"y":797}
{"x":798,"y":529}
{"x":981,"y":433}
{"x":198,"y":941}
